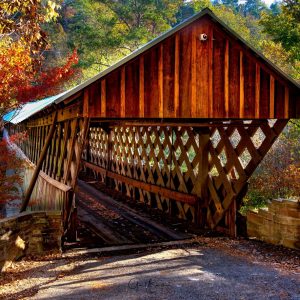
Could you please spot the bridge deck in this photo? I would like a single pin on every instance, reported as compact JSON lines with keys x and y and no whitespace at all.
{"x":105,"y":221}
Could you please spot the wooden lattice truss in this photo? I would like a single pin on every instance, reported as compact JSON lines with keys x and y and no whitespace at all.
{"x":195,"y":173}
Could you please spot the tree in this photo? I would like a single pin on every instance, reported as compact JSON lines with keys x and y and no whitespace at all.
{"x":23,"y":76}
{"x":275,"y":8}
{"x":284,"y":28}
{"x":22,"y":72}
{"x":105,"y":31}
{"x":233,"y":4}
{"x":253,"y":8}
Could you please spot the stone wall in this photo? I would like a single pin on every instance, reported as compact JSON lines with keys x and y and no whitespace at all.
{"x":278,"y":224}
{"x":29,"y":233}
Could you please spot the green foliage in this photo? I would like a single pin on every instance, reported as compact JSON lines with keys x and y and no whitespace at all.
{"x":253,"y":8}
{"x":279,"y":173}
{"x":284,"y":28}
{"x":105,"y":31}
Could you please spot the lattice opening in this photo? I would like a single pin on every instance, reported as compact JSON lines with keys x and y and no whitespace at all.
{"x":184,"y":137}
{"x":245,"y":158}
{"x":272,"y":122}
{"x":196,"y":170}
{"x":191,"y":153}
{"x":152,"y":137}
{"x":178,"y":153}
{"x":166,"y":152}
{"x":258,"y":138}
{"x":214,"y":171}
{"x":162,"y":137}
{"x":161,"y":164}
{"x":215,"y":139}
{"x":144,"y":138}
{"x":222,"y":157}
{"x":183,"y":167}
{"x":235,"y":138}
{"x":156,"y":151}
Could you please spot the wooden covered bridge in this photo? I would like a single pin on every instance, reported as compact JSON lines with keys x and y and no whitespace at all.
{"x":180,"y":124}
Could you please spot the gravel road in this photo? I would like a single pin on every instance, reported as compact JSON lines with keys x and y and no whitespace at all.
{"x":192,"y":273}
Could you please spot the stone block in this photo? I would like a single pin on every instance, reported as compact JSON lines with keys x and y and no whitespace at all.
{"x":291,"y":243}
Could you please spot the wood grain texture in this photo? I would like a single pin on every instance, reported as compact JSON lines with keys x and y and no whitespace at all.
{"x":242,"y":91}
{"x":272,"y":97}
{"x":257,"y":90}
{"x":184,"y":77}
{"x":141,"y":88}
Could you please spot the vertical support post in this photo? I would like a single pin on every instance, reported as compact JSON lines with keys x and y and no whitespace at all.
{"x":39,"y":165}
{"x":201,"y":209}
{"x":109,"y":155}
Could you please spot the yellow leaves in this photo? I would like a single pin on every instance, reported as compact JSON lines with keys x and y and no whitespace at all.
{"x":51,"y":11}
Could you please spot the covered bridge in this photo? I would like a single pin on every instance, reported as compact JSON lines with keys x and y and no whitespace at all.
{"x":180,"y":124}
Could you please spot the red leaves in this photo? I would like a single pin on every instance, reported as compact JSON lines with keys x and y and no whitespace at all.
{"x":49,"y":82}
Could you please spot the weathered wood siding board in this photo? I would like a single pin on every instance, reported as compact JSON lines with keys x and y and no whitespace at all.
{"x":184,"y":77}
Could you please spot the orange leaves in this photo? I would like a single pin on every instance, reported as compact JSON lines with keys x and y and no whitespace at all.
{"x":15,"y":70}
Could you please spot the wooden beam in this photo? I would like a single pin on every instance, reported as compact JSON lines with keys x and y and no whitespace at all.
{"x":226,"y":79}
{"x":272,"y":97}
{"x":123,"y":95}
{"x":160,"y":83}
{"x":176,"y":77}
{"x":178,"y":196}
{"x":141,"y":89}
{"x":103,"y":98}
{"x":38,"y":166}
{"x":242,"y":92}
{"x":257,"y":91}
{"x":286,"y":102}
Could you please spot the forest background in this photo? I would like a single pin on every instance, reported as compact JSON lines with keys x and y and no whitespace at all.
{"x":47,"y":47}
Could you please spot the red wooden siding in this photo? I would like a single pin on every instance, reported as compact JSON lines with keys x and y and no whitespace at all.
{"x":183,"y":77}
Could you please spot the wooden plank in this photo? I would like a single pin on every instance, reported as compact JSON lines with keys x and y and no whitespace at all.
{"x":234,"y":81}
{"x":165,"y":192}
{"x":249,"y":68}
{"x":160,"y":83}
{"x":286,"y":102}
{"x":264,"y":95}
{"x":272,"y":97}
{"x":38,"y":167}
{"x":132,"y":89}
{"x":193,"y":74}
{"x":168,"y":80}
{"x":113,"y":94}
{"x":151,"y":83}
{"x":123,"y":96}
{"x":185,"y":64}
{"x":142,"y":89}
{"x":226,"y":79}
{"x":279,"y":100}
{"x":257,"y":91}
{"x":202,"y":49}
{"x":85,"y":103}
{"x":210,"y":75}
{"x":176,"y":77}
{"x":242,"y":99}
{"x":103,"y":98}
